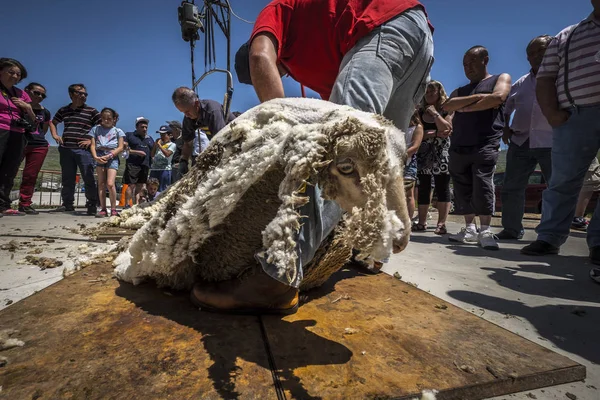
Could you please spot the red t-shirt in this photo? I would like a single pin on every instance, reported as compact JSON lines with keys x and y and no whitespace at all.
{"x":314,"y":35}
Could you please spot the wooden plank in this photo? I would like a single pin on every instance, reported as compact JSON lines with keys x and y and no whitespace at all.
{"x":90,"y":337}
{"x":401,"y":340}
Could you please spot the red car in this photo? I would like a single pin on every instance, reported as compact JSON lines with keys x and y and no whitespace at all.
{"x":533,"y":193}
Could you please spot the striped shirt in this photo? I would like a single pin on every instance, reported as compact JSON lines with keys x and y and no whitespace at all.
{"x":78,"y":122}
{"x":584,"y":63}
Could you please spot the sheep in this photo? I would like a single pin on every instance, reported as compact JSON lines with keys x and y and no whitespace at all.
{"x":243,"y":193}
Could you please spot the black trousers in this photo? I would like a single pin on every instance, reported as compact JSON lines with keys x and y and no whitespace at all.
{"x":442,"y":188}
{"x":472,"y":172}
{"x":12,"y":145}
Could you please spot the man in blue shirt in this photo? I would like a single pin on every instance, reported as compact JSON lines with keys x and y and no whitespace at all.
{"x":139,"y":144}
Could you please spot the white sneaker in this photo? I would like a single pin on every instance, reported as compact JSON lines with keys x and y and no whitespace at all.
{"x":487,"y":240}
{"x":464,"y":236}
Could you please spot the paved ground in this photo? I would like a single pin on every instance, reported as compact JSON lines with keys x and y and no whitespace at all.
{"x":548,"y":300}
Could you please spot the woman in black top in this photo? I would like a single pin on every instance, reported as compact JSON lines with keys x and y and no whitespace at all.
{"x":36,"y":149}
{"x":432,"y":157}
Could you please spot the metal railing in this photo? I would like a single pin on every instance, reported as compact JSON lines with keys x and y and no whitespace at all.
{"x":48,"y":187}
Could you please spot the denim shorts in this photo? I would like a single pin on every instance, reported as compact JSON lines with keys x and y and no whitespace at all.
{"x":112,"y":164}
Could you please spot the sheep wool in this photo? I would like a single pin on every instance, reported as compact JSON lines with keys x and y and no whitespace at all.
{"x":243,"y":193}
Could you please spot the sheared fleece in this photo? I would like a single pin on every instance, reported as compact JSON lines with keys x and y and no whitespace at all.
{"x":300,"y":136}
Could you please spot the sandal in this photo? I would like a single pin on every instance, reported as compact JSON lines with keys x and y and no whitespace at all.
{"x":441,"y":229}
{"x":419,"y":227}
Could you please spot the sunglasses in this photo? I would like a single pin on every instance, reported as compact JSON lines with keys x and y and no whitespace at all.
{"x":84,"y":94}
{"x":39,"y":94}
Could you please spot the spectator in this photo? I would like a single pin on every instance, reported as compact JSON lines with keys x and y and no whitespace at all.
{"x":591,"y":184}
{"x":529,"y":140}
{"x":413,"y":136}
{"x":150,"y":192}
{"x":477,"y":129}
{"x":107,"y":144}
{"x":207,"y":115}
{"x":432,"y":157}
{"x":16,"y":115}
{"x":360,"y":47}
{"x":137,"y":167}
{"x":162,"y":154}
{"x":568,"y":91}
{"x":178,"y":140}
{"x":36,"y":148}
{"x":74,"y":148}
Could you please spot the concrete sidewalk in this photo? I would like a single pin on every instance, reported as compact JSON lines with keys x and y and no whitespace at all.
{"x":548,"y":300}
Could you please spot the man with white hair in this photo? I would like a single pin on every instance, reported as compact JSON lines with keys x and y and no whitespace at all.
{"x":206,"y":115}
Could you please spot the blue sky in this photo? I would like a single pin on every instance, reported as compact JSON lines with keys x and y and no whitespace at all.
{"x":131,"y":56}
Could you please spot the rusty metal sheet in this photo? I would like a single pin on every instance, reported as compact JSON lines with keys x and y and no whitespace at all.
{"x":89,"y":337}
{"x":375,"y":337}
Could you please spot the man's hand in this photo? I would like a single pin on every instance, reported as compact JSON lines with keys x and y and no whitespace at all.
{"x":85,"y":143}
{"x":58,"y":140}
{"x":507,"y":134}
{"x":183,"y":167}
{"x":558,"y":118}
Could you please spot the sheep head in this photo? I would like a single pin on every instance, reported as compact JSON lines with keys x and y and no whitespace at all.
{"x":365,"y":177}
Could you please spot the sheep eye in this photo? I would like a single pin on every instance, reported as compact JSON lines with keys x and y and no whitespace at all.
{"x":345,"y":167}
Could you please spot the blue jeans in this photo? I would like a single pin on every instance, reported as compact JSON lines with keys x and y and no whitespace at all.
{"x":386,"y":72}
{"x":574,"y":144}
{"x":70,"y":160}
{"x":520,"y":164}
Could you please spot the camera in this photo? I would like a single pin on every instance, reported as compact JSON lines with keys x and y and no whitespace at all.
{"x":25,"y":125}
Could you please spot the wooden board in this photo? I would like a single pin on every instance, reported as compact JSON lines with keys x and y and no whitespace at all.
{"x":91,"y":337}
{"x":103,"y":340}
{"x":387,"y":339}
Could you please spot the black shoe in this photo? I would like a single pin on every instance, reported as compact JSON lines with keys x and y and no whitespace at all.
{"x":595,"y":255}
{"x":91,"y":210}
{"x":29,"y":210}
{"x":539,"y":248}
{"x":62,"y":209}
{"x":506,"y":235}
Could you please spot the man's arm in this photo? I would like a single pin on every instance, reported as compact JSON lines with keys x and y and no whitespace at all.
{"x":547,"y":98}
{"x":263,"y":67}
{"x":494,"y":99}
{"x":455,"y":103}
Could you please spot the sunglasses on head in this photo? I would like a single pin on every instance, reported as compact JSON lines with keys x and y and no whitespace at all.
{"x":84,"y":94}
{"x":39,"y":94}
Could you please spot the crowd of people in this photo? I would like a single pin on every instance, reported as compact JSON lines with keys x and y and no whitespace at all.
{"x":547,"y":117}
{"x":92,"y":143}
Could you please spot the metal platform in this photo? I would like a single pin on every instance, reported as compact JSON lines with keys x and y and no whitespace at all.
{"x":359,"y":337}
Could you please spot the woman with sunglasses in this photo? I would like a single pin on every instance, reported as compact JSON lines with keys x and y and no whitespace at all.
{"x":16,"y":115}
{"x":36,"y":148}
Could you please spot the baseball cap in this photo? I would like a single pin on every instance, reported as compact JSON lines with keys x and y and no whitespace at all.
{"x":242,"y":64}
{"x":141,"y":119}
{"x":165,"y":129}
{"x":175,"y":124}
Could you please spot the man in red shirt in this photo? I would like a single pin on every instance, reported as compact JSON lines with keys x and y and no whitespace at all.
{"x":372,"y":55}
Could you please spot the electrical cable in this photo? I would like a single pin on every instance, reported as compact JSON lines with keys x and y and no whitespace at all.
{"x":237,"y":16}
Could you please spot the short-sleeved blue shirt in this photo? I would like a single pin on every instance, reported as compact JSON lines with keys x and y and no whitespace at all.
{"x":144,"y":144}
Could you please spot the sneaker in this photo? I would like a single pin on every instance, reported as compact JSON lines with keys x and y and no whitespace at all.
{"x":487,"y":240}
{"x":595,"y":274}
{"x":91,"y":210}
{"x":102,"y":214}
{"x":29,"y":210}
{"x":62,"y":209}
{"x":579,"y":223}
{"x":464,"y":236}
{"x":114,"y":213}
{"x":506,"y":235}
{"x":12,"y":213}
{"x":539,"y":248}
